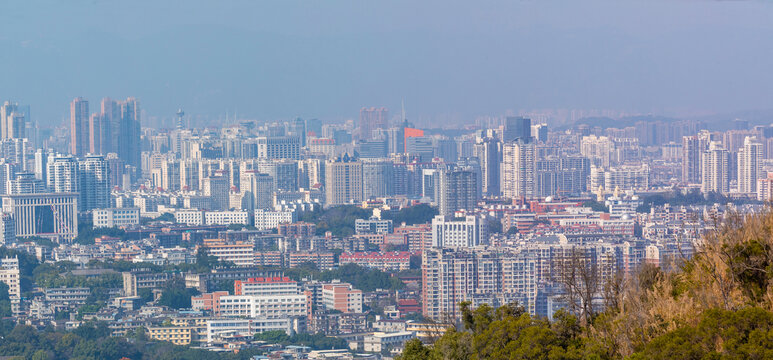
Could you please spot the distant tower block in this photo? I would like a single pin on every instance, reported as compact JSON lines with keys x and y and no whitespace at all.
{"x":180,"y":114}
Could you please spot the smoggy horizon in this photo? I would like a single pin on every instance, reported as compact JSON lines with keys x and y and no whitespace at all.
{"x":449,"y":62}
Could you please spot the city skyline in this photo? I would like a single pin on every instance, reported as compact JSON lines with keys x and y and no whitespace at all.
{"x":365,"y":180}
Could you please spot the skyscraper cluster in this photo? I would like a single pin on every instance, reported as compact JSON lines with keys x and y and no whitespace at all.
{"x":15,"y":122}
{"x":115,"y":129}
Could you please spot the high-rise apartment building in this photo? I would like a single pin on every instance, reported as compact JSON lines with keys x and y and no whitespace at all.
{"x":517,"y":128}
{"x":116,"y":129}
{"x":540,"y":132}
{"x":88,"y":178}
{"x":311,"y":173}
{"x":9,"y":274}
{"x":7,"y":228}
{"x":257,"y":189}
{"x":79,"y":127}
{"x":343,"y":182}
{"x":284,"y":173}
{"x":14,"y":151}
{"x":715,"y":169}
{"x":62,"y":176}
{"x":17,"y":125}
{"x":110,"y":119}
{"x":6,"y":110}
{"x":26,"y":183}
{"x":599,"y":149}
{"x":448,"y":231}
{"x":94,"y":183}
{"x":217,"y":188}
{"x":691,"y":159}
{"x":489,"y":154}
{"x":565,"y":175}
{"x":452,"y":276}
{"x":95,"y":131}
{"x":371,"y":119}
{"x":420,"y":147}
{"x":342,"y":297}
{"x":377,"y":178}
{"x":749,"y":165}
{"x":518,"y":170}
{"x":765,"y":188}
{"x":458,"y":190}
{"x":129,"y":132}
{"x":624,"y":177}
{"x":169,"y":175}
{"x":278,"y":147}
{"x":100,"y":133}
{"x":41,"y":164}
{"x":15,"y":122}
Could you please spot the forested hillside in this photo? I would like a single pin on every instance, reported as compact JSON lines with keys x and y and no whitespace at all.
{"x":718,"y":304}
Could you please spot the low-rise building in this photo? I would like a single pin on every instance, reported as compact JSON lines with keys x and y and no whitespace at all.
{"x":269,"y":258}
{"x":66,"y":295}
{"x":240,"y":254}
{"x":388,"y":325}
{"x":135,"y":280}
{"x":342,"y":297}
{"x":208,"y":301}
{"x":270,"y":307}
{"x":115,"y":217}
{"x":266,"y":286}
{"x":298,"y":229}
{"x":201,"y":217}
{"x":373,"y":225}
{"x":268,"y":219}
{"x":219,"y":329}
{"x":384,"y":261}
{"x":427,"y":330}
{"x":227,"y":217}
{"x":323,"y":261}
{"x":380,"y":341}
{"x":178,"y":335}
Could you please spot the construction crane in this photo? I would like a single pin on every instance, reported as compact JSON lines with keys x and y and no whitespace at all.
{"x":62,"y":224}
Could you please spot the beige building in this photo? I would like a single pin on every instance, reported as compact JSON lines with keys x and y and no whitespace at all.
{"x":178,"y":335}
{"x":342,"y":297}
{"x":343,"y":182}
{"x":518,"y":170}
{"x":9,"y":274}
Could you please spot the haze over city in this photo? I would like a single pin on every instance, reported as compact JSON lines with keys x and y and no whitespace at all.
{"x":449,"y":61}
{"x":386,"y":180}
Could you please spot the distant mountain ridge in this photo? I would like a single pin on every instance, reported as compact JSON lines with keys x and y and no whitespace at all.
{"x":716,"y":122}
{"x":607,"y":122}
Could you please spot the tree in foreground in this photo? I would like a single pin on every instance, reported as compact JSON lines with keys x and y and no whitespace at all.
{"x":716,"y":304}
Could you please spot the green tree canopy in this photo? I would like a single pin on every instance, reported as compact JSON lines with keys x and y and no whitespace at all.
{"x":175,"y":295}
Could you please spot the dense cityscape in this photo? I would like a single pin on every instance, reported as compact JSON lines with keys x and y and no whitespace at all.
{"x":372,"y":180}
{"x":366,"y":234}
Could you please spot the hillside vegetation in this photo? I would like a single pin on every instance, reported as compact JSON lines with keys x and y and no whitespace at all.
{"x":716,"y":305}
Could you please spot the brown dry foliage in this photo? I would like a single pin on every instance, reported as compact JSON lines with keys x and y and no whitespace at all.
{"x":729,"y":270}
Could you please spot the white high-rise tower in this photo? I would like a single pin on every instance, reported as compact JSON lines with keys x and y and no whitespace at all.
{"x":749,"y":165}
{"x":518,"y":170}
{"x":715,"y":169}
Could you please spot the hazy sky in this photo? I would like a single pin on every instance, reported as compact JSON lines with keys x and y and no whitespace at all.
{"x":326,"y":59}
